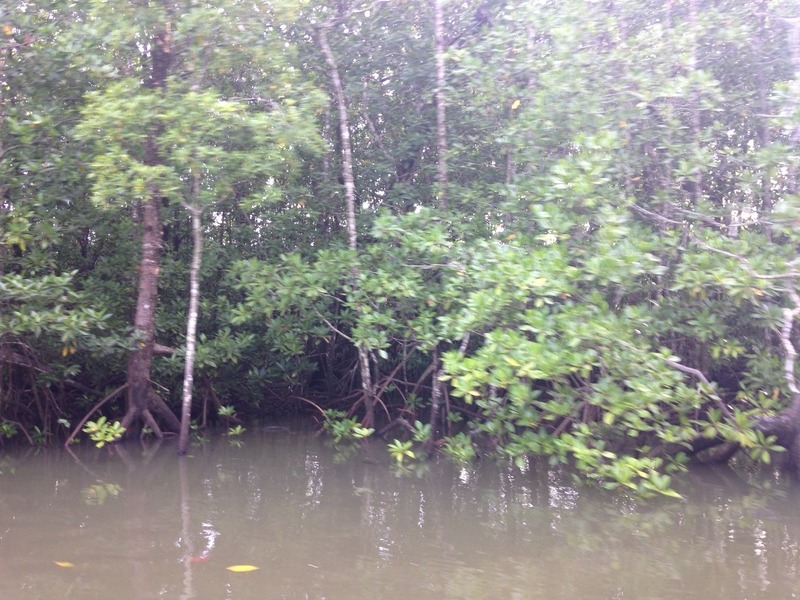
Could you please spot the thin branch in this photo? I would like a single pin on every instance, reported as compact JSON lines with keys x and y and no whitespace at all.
{"x":391,"y":424}
{"x":746,"y":263}
{"x":21,"y":428}
{"x":94,"y":409}
{"x":656,"y":216}
{"x":709,"y":390}
{"x":314,"y":404}
{"x":425,"y":374}
{"x":699,"y":216}
{"x":333,"y":328}
{"x":568,"y":420}
{"x":341,"y":18}
{"x":455,"y":266}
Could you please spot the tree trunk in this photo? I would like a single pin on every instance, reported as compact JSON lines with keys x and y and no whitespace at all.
{"x":794,"y":139}
{"x":441,"y":121}
{"x":141,"y":397}
{"x":785,"y":426}
{"x":764,"y":137}
{"x":141,"y":358}
{"x":695,"y":116}
{"x":191,"y":327}
{"x":437,"y":387}
{"x":350,"y":201}
{"x":344,"y":135}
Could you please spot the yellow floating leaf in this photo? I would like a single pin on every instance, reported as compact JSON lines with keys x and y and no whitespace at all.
{"x":515,"y":105}
{"x":242,"y":568}
{"x":65,"y":564}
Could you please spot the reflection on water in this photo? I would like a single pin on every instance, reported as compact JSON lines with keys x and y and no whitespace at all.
{"x":139,"y":524}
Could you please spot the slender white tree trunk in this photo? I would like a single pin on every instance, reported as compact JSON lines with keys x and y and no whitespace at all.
{"x":441,"y":120}
{"x":697,"y":185}
{"x":344,"y":134}
{"x":191,"y":322}
{"x":441,"y":146}
{"x":350,"y":201}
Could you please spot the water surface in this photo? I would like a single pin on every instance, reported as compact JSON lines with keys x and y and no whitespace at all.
{"x":138,"y":523}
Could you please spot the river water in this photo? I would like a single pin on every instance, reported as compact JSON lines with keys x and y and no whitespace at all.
{"x":136,"y":523}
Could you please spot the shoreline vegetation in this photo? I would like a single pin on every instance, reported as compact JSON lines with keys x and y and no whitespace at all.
{"x":512,"y":227}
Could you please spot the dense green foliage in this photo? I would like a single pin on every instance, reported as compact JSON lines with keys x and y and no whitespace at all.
{"x":611,"y":282}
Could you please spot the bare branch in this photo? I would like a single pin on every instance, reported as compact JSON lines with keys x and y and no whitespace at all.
{"x":708,"y":390}
{"x":332,"y":327}
{"x":746,"y":263}
{"x":656,"y":216}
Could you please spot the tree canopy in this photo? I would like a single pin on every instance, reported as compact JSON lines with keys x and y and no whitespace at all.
{"x":499,"y":226}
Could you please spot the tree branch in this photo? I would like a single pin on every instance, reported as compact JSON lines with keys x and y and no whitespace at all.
{"x":699,"y":375}
{"x":95,"y":408}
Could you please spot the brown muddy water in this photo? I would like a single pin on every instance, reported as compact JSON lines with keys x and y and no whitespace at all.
{"x":134,"y":523}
